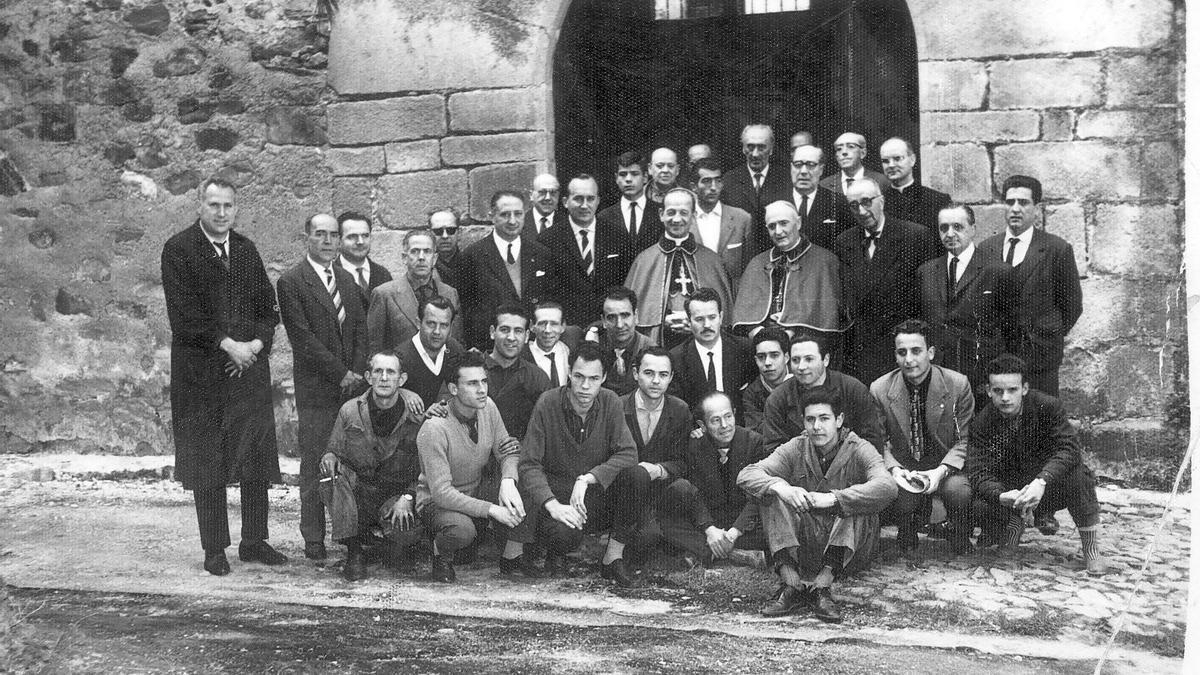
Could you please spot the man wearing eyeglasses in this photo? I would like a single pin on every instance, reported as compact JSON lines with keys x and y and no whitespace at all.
{"x":546,"y":211}
{"x":444,"y":226}
{"x":823,"y":213}
{"x":879,"y":258}
{"x":850,"y":149}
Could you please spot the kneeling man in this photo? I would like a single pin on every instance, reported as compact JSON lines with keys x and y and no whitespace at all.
{"x":820,"y":497}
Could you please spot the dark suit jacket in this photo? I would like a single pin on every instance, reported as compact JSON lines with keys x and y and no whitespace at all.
{"x":379,"y":276}
{"x":321,"y":352}
{"x":882,"y":292}
{"x":727,"y":505}
{"x":392,"y":317}
{"x":739,"y":192}
{"x":966,"y":324}
{"x":690,"y":381}
{"x":1044,"y":297}
{"x":916,"y":204}
{"x":836,"y":183}
{"x":570,"y":337}
{"x":668,"y":443}
{"x":581,"y":295}
{"x":492,"y":287}
{"x":531,"y":231}
{"x":650,"y":229}
{"x":829,"y":216}
{"x":1044,"y":446}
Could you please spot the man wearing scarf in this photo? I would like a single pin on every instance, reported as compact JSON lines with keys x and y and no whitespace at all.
{"x":664,"y":276}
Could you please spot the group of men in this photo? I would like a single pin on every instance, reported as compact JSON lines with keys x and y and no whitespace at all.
{"x":766,"y":358}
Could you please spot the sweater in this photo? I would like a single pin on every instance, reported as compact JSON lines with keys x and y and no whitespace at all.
{"x":451,"y":464}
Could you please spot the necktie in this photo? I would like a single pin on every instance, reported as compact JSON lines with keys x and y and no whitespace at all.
{"x":869,"y":244}
{"x":804,"y":213}
{"x":586,"y":251}
{"x":362,"y":278}
{"x":916,"y":437}
{"x":619,"y":362}
{"x":543,"y":227}
{"x":222,"y":254}
{"x":633,"y":219}
{"x":1012,"y":251}
{"x":553,"y":369}
{"x":757,"y":181}
{"x":952,"y":278}
{"x":712,"y":371}
{"x":511,"y":259}
{"x":331,"y":286}
{"x":848,"y":182}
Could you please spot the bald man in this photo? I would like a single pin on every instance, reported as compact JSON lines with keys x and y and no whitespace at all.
{"x":547,"y":210}
{"x":664,"y":173}
{"x":905,"y":197}
{"x":850,"y":149}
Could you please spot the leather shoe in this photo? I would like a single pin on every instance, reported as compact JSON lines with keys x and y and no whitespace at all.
{"x":825,"y":607}
{"x":1097,"y":566}
{"x":786,"y":601}
{"x":468,"y":555}
{"x":510,"y":567}
{"x":556,"y":566}
{"x":1046,"y":523}
{"x":356,"y":565}
{"x":216,"y":564}
{"x":314,"y":550}
{"x":618,"y":571}
{"x":260,"y":551}
{"x":443,"y":571}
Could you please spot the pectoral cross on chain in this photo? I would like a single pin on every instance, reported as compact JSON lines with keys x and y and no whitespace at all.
{"x":684,"y":281}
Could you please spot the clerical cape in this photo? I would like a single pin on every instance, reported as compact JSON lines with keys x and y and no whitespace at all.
{"x":665,"y":275}
{"x":809,"y":297}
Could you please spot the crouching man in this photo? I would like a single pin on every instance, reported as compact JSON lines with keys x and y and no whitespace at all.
{"x":452,"y":494}
{"x":820,"y":497}
{"x":369,"y":472}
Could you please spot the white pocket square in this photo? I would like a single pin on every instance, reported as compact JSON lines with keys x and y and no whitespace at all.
{"x":737,"y":245}
{"x":539,"y":273}
{"x":612,"y":255}
{"x":829,"y":220}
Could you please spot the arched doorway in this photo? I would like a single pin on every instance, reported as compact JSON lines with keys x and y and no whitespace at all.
{"x":624,"y":79}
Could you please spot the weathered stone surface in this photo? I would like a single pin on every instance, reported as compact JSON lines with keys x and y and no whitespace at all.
{"x":1121,"y":441}
{"x":1067,"y":221}
{"x":182,"y":61}
{"x":963,"y":170}
{"x":122,"y":92}
{"x":57,"y":122}
{"x":952,"y":85}
{"x":120,"y":59}
{"x":43,"y":238}
{"x":484,"y":181}
{"x":141,"y":111}
{"x":119,"y":153}
{"x":395,"y":119}
{"x":1046,"y":83}
{"x":355,"y":161}
{"x":951,"y":30}
{"x":66,"y":302}
{"x":70,"y":48}
{"x":150,"y":153}
{"x":193,"y":111}
{"x":1142,"y":80}
{"x":144,"y":184}
{"x":293,"y":126}
{"x":413,"y":156}
{"x":1123,"y":380}
{"x":179,"y":183}
{"x":404,"y":199}
{"x":11,"y":180}
{"x":1136,"y":309}
{"x":93,"y":270}
{"x":151,"y":20}
{"x":220,"y":78}
{"x":989,"y":219}
{"x":1058,"y":125}
{"x":494,"y":148}
{"x":79,"y":85}
{"x":353,"y":194}
{"x":217,"y":138}
{"x":1136,"y":240}
{"x":30,"y":47}
{"x":1126,"y":123}
{"x":1161,"y":171}
{"x":1075,"y":169}
{"x":981,"y":127}
{"x":498,"y":110}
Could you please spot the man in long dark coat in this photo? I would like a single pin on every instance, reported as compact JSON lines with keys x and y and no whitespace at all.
{"x":222,"y":311}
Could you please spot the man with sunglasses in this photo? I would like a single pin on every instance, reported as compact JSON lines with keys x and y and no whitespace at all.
{"x":444,"y":226}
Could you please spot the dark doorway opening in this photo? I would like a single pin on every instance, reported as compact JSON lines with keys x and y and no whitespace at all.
{"x":625,"y":80}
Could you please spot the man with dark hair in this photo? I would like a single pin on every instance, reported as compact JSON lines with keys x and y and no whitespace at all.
{"x":664,"y":172}
{"x":574,"y":452}
{"x":505,"y":268}
{"x":547,"y":211}
{"x":823,"y":212}
{"x":393,"y":315}
{"x":355,"y":255}
{"x":705,"y":513}
{"x":1041,"y":288}
{"x":820,"y":495}
{"x":722,"y":228}
{"x":553,"y":341}
{"x":431,"y":355}
{"x":904,"y":197}
{"x":783,"y":418}
{"x":370,"y":468}
{"x":444,"y":225}
{"x":514,"y":383}
{"x":960,"y":299}
{"x":926,"y":410}
{"x":635,"y":214}
{"x":452,"y":499}
{"x":327,"y":328}
{"x":850,"y":149}
{"x":1024,"y":459}
{"x":619,"y":339}
{"x":664,"y":276}
{"x":222,"y":312}
{"x":757,"y":184}
{"x":770,"y":349}
{"x":712,"y":360}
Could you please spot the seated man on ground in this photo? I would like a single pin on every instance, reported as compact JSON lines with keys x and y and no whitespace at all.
{"x":1024,"y":460}
{"x":369,"y":473}
{"x":572,"y":459}
{"x":926,"y":410}
{"x":705,"y":513}
{"x":820,"y":496}
{"x":451,"y":494}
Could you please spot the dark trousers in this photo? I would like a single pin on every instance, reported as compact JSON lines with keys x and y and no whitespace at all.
{"x":620,"y":509}
{"x":452,"y":530}
{"x":955,"y":492}
{"x":683,"y":517}
{"x":315,"y":425}
{"x":1045,"y":381}
{"x":213,"y":517}
{"x":1075,"y":492}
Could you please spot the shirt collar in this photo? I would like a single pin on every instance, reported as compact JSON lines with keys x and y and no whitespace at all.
{"x":642,"y":403}
{"x":318,"y":267}
{"x":640,"y":201}
{"x":702,"y":351}
{"x":577,"y":227}
{"x":1026,"y":237}
{"x":502,"y":245}
{"x":353,"y":269}
{"x":857,"y":175}
{"x":964,"y":258}
{"x":764,"y":171}
{"x":716,"y":211}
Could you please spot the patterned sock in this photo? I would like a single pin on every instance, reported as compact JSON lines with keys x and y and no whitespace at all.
{"x":1013,"y":531}
{"x":1091,"y":542}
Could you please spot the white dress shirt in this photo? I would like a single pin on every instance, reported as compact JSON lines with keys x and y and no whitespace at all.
{"x":708,"y":223}
{"x":560,"y":352}
{"x":847,"y":181}
{"x":502,"y":246}
{"x":353,"y":270}
{"x":1024,"y":239}
{"x":798,"y":199}
{"x":717,"y":361}
{"x":964,"y":259}
{"x":641,"y":212}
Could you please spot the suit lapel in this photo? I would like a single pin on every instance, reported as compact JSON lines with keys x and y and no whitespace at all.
{"x":497,"y":265}
{"x":1035,"y":253}
{"x":898,"y":395}
{"x":317,"y":287}
{"x":406,"y":301}
{"x":969,"y":274}
{"x":935,"y":402}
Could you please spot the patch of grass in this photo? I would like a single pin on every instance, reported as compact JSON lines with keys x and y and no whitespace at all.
{"x":1045,"y":623}
{"x":1167,"y":642}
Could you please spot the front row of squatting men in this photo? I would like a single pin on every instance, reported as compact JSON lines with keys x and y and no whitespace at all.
{"x":587,"y":287}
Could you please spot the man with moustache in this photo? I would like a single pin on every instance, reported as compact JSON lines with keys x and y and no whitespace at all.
{"x":850,"y":149}
{"x":635,"y":214}
{"x":619,"y":340}
{"x":904,"y":197}
{"x":770,"y":349}
{"x":664,"y":172}
{"x":711,"y":360}
{"x":759,"y":183}
{"x":355,"y":256}
{"x":823,"y":213}
{"x":723,"y":229}
{"x":547,"y":211}
{"x":393,"y":315}
{"x":327,"y":328}
{"x":666,"y":275}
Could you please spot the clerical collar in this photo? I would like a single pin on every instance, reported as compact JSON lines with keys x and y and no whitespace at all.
{"x":669,"y":244}
{"x":911,"y":182}
{"x":793,"y":254}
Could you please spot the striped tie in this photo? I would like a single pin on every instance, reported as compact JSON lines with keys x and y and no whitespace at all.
{"x":586,"y":250}
{"x":331,"y":285}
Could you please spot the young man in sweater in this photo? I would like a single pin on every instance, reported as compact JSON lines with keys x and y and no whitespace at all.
{"x":571,"y":466}
{"x":454,"y":451}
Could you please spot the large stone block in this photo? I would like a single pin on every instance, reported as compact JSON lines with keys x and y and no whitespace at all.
{"x":498,"y":110}
{"x":355,"y":161}
{"x":981,"y":127}
{"x":413,"y":156}
{"x":952,"y":85}
{"x":1047,"y":83}
{"x":487,"y":179}
{"x":1125,"y":380}
{"x":1058,"y":125}
{"x":404,"y":199}
{"x":393,"y":119}
{"x":949,"y":29}
{"x":989,"y":219}
{"x":963,"y":170}
{"x":353,"y":194}
{"x":1124,"y":309}
{"x":1068,"y":221}
{"x":1139,"y":438}
{"x":1126,"y":123}
{"x":494,"y":148}
{"x":1136,"y":240}
{"x":1075,"y":169}
{"x":1142,"y":80}
{"x":1161,"y":170}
